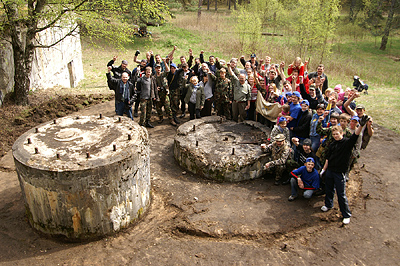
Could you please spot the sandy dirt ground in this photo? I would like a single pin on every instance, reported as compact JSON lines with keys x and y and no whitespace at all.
{"x":193,"y":221}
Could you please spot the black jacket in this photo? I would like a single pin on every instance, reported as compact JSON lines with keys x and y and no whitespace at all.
{"x":302,"y":129}
{"x":313,"y":101}
{"x":115,"y":85}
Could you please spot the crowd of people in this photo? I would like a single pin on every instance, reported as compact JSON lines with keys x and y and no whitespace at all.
{"x":316,"y":136}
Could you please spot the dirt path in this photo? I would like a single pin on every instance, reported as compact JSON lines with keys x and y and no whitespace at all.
{"x":197,"y":221}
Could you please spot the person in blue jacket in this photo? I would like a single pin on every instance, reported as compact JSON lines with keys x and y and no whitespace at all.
{"x":306,"y":177}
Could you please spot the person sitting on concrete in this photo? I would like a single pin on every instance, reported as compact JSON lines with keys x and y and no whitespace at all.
{"x":306,"y":178}
{"x":280,"y":128}
{"x":279,"y":152}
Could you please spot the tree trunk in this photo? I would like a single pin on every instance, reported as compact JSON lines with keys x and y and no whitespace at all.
{"x":216,"y":5}
{"x":199,"y":11}
{"x":208,"y":4}
{"x":352,"y":9}
{"x":389,"y":21}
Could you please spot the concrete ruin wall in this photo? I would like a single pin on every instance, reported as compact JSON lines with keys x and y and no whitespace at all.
{"x":60,"y":65}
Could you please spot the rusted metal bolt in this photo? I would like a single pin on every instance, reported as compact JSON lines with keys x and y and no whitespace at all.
{"x":101,"y":116}
{"x":29,"y":141}
{"x":129,"y":137}
{"x":87,"y":154}
{"x":114,"y":147}
{"x":36,"y":150}
{"x":197,"y":143}
{"x":55,"y":121}
{"x":194,"y":127}
{"x":36,"y":130}
{"x":77,"y":117}
{"x":233,"y":151}
{"x":119,"y":119}
{"x":58,"y":156}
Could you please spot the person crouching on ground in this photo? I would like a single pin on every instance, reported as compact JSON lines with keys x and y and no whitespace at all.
{"x":195,"y":97}
{"x":279,"y":151}
{"x":336,"y":165}
{"x":306,"y":177}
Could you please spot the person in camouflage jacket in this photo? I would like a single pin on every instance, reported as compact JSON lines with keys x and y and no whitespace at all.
{"x":223,"y":93}
{"x":163,"y":94}
{"x":279,"y":152}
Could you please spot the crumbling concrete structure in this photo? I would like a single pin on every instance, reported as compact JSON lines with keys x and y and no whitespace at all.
{"x":221,"y":150}
{"x":60,"y":65}
{"x":84,"y":177}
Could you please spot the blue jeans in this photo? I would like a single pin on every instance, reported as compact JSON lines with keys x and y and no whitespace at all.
{"x":336,"y":180}
{"x":315,"y":142}
{"x":124,"y":108}
{"x":294,"y":186}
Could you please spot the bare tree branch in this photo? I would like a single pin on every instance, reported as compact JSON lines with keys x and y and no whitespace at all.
{"x":70,"y":33}
{"x":63,"y":12}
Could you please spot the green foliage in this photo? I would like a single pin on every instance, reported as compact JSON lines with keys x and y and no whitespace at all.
{"x":248,"y":28}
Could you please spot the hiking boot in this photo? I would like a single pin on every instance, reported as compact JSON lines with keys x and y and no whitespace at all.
{"x":182,"y":115}
{"x":176,"y":120}
{"x":292,"y":198}
{"x":172,"y":122}
{"x":135,"y":114}
{"x":161,"y":119}
{"x":286,"y":182}
{"x":147,"y":124}
{"x":276,"y":183}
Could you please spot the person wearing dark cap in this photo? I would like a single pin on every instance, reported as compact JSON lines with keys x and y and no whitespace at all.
{"x":336,"y":165}
{"x":306,"y":178}
{"x":117,"y":71}
{"x":253,"y":60}
{"x":279,"y":152}
{"x":304,"y":151}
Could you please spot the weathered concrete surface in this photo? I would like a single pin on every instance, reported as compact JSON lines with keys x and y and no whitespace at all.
{"x":221,"y":150}
{"x":60,"y":65}
{"x":70,"y":194}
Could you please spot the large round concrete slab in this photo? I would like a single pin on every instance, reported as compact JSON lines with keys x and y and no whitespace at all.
{"x":222,"y":150}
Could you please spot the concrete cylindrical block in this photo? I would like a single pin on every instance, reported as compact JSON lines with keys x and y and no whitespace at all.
{"x":68,"y":193}
{"x":224,"y":151}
